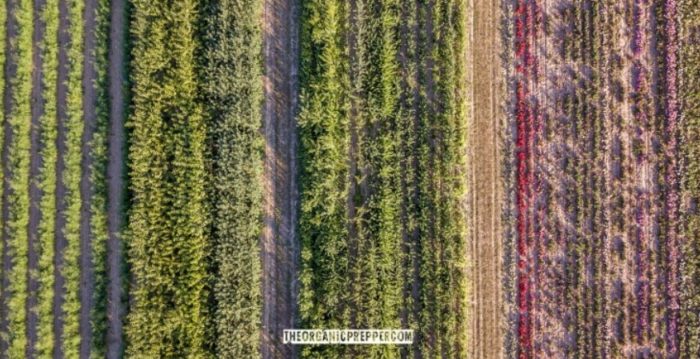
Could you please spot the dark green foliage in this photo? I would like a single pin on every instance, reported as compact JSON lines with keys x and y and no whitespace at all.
{"x":98,"y":209}
{"x":382,"y":128}
{"x":167,"y":246}
{"x":324,"y":146}
{"x":232,"y":75}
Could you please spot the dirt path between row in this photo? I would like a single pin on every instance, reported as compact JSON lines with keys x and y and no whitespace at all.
{"x":279,"y":240}
{"x":87,"y":271}
{"x":34,"y":175}
{"x":115,"y":173}
{"x":485,"y":193}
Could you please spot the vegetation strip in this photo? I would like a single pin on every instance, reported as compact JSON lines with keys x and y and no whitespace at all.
{"x":166,"y":234}
{"x":45,"y":344}
{"x":689,"y":84}
{"x":98,"y":150}
{"x":18,"y":149}
{"x":233,"y":89}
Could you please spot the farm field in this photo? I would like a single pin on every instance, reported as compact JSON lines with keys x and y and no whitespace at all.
{"x":505,"y":178}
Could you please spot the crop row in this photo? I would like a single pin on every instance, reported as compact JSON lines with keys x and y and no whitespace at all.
{"x":16,"y":172}
{"x":47,"y":225}
{"x":324,"y":131}
{"x":689,"y":85}
{"x":72,"y":125}
{"x":53,"y":298}
{"x":98,"y":146}
{"x":233,"y":87}
{"x":381,"y":127}
{"x":166,"y":236}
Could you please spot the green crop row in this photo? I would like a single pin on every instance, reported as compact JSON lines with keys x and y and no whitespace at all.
{"x":17,"y":180}
{"x":73,"y":128}
{"x":378,"y":260}
{"x":46,"y":230}
{"x":98,"y":179}
{"x":324,"y":147}
{"x":232,"y":73}
{"x":442,"y":140}
{"x":382,"y":129}
{"x":690,"y":102}
{"x":167,"y":246}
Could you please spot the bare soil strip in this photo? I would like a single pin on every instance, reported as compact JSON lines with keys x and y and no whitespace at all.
{"x":279,"y":240}
{"x":484,"y":187}
{"x":87,"y":271}
{"x":35,"y":167}
{"x":115,"y":173}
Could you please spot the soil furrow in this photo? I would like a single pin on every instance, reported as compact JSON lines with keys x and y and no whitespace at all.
{"x":485,"y":175}
{"x":279,"y":240}
{"x":87,"y":271}
{"x":115,"y":173}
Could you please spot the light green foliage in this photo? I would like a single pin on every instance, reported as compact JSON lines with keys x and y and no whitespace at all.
{"x":166,"y":239}
{"x":73,"y":128}
{"x":47,"y":184}
{"x":18,"y":179}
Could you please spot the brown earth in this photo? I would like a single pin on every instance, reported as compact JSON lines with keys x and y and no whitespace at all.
{"x":485,"y":190}
{"x":87,"y":270}
{"x":115,"y":173}
{"x":280,"y":248}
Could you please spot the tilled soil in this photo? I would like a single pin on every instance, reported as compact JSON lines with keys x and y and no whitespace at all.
{"x":485,"y":192}
{"x":280,"y":248}
{"x":115,"y":172}
{"x":87,"y":282}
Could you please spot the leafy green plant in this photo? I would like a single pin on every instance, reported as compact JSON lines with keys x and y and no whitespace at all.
{"x":17,"y":177}
{"x":167,"y":246}
{"x":46,"y":230}
{"x":232,"y":83}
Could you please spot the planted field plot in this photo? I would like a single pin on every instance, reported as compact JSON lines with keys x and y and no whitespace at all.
{"x":506,"y":178}
{"x":599,"y":213}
